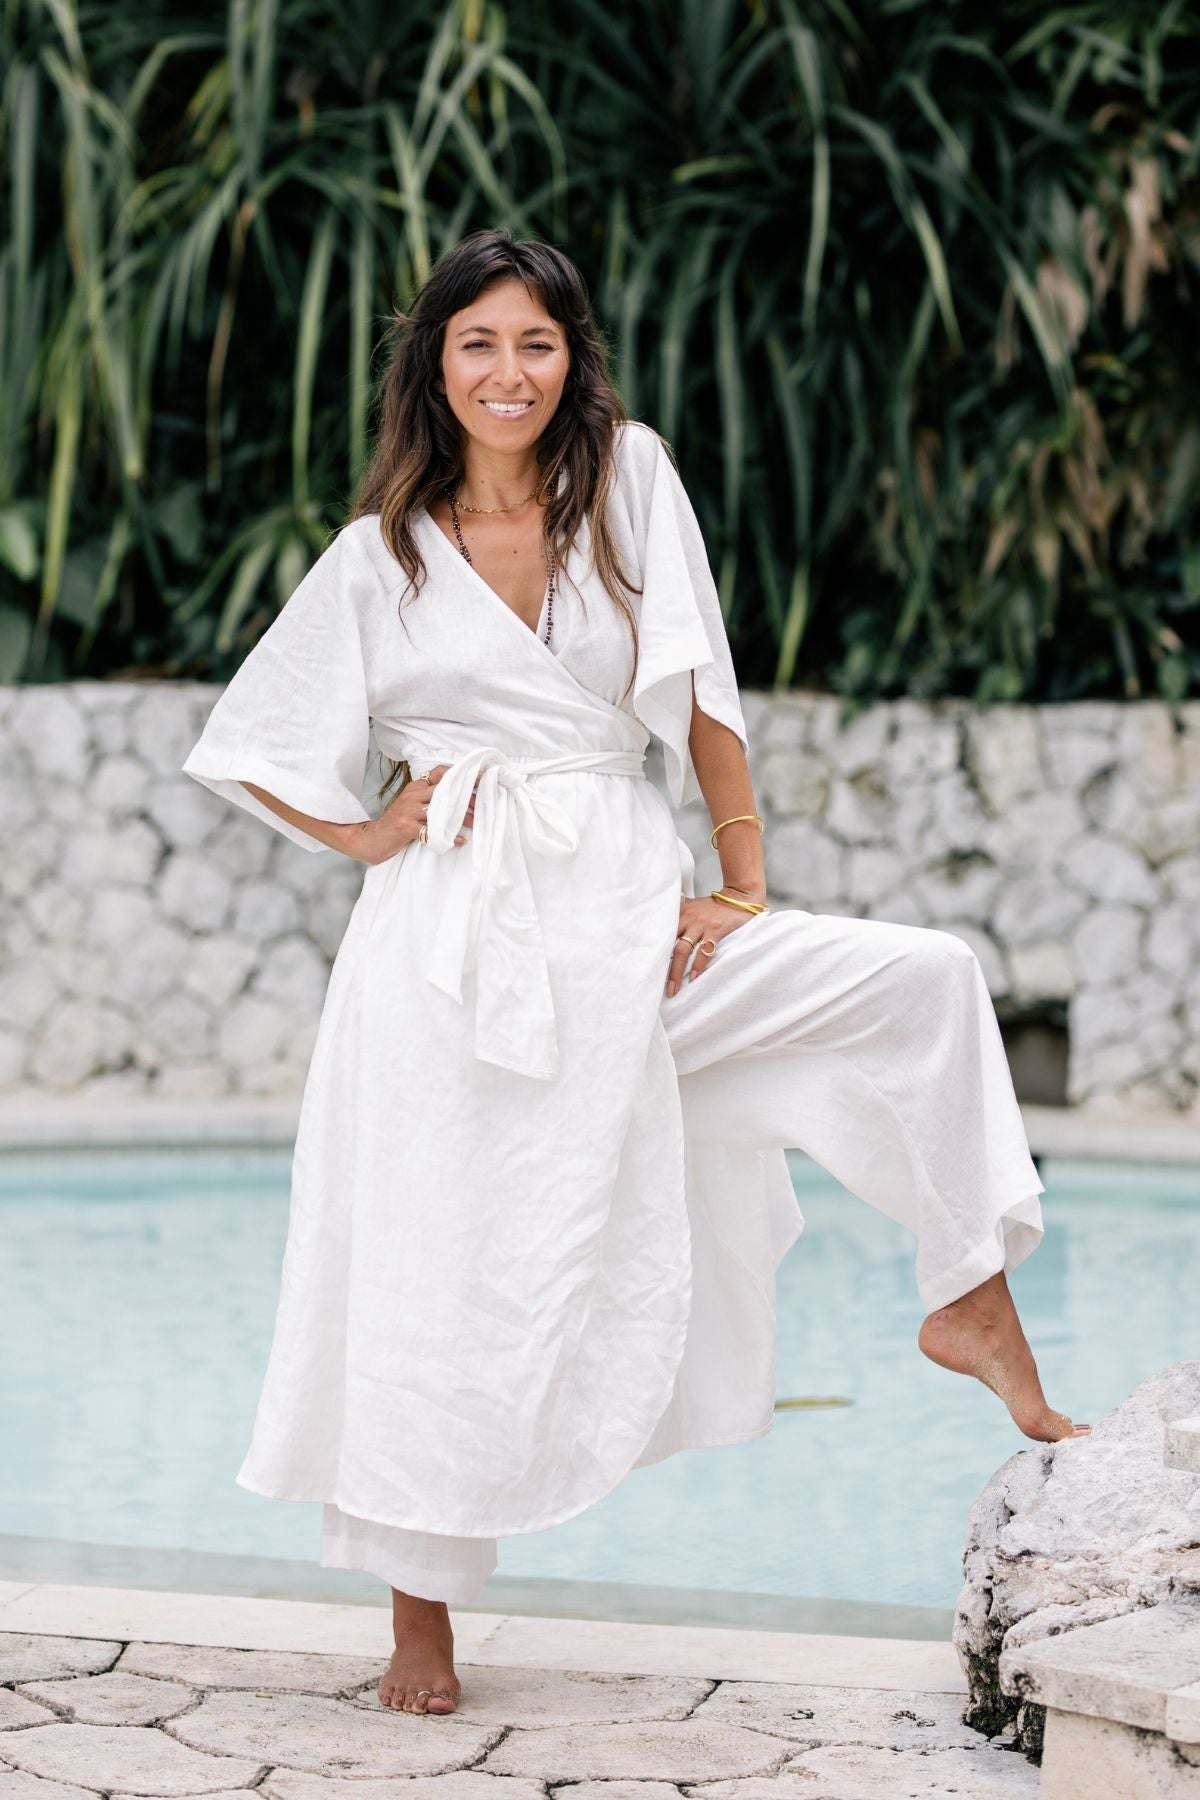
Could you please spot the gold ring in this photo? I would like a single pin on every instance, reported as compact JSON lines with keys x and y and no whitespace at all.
{"x":690,"y":942}
{"x":423,"y":838}
{"x":708,"y":940}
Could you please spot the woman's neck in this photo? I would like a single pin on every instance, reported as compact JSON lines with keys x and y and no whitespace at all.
{"x":493,"y":479}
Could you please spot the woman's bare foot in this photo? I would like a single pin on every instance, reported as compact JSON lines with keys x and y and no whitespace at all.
{"x":980,"y":1334}
{"x":420,"y":1677}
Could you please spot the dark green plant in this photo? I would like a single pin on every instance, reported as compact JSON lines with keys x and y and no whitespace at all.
{"x":910,"y":289}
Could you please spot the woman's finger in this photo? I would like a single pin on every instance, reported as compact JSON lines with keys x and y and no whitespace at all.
{"x":706,"y":949}
{"x":684,"y":946}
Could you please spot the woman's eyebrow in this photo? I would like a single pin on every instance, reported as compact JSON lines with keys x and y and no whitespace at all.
{"x":491,"y":330}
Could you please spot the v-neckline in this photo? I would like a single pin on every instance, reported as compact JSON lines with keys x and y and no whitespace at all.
{"x":422,"y":513}
{"x":533,"y":631}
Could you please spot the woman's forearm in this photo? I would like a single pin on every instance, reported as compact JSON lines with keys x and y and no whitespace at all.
{"x":724,"y":777}
{"x":346,"y":838}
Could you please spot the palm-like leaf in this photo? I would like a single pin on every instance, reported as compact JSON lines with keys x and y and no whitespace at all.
{"x":909,"y":289}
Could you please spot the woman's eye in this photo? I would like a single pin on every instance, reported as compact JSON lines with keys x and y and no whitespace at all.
{"x":482,"y":344}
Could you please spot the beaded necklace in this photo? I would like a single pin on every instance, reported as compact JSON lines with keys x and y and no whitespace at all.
{"x":549,"y":566}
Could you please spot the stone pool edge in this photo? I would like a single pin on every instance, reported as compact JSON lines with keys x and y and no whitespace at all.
{"x":31,"y":1121}
{"x":492,"y":1639}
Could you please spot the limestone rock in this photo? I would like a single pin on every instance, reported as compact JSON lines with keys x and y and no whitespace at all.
{"x":117,"y":915}
{"x":45,"y":719}
{"x":873,"y":873}
{"x":792,"y":782}
{"x":249,"y":1031}
{"x":195,"y":892}
{"x":1004,"y":753}
{"x":1106,"y":869}
{"x":292,"y":972}
{"x":1041,"y":972}
{"x":859,"y":744}
{"x":1105,"y":945}
{"x":264,"y":909}
{"x":78,"y":1040}
{"x":181,"y":811}
{"x":805,"y":864}
{"x":961,"y":887}
{"x":117,"y":784}
{"x":98,"y":853}
{"x":1074,"y":757}
{"x":1072,"y":1533}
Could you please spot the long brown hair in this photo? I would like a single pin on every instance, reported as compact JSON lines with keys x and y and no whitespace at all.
{"x":418,"y":448}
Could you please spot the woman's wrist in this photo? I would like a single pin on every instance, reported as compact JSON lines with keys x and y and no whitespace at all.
{"x":359,"y":840}
{"x":746,"y":887}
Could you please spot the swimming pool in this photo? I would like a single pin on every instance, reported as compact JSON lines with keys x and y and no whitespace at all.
{"x":139,"y":1298}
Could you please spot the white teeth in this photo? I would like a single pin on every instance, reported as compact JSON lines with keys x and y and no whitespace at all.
{"x":508,"y":406}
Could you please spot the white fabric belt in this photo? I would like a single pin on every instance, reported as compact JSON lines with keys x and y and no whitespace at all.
{"x":491,"y":924}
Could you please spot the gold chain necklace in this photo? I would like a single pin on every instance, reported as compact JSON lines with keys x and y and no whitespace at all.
{"x":511,"y":507}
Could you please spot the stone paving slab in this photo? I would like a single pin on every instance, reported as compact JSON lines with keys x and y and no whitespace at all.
{"x":15,"y":1785}
{"x":865,"y":1772}
{"x":828,"y":1715}
{"x":305,"y":1731}
{"x":113,"y":1699}
{"x":540,"y":1698}
{"x":109,"y":1757}
{"x":149,"y":1721}
{"x":207,"y":1666}
{"x":24,"y":1657}
{"x":662,"y":1751}
{"x":464,"y":1784}
{"x":16,"y":1710}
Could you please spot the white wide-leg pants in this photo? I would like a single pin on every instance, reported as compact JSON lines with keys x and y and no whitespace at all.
{"x":872,"y":1047}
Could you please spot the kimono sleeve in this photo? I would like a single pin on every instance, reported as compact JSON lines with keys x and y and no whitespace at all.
{"x":681,"y":630}
{"x":295,"y":717}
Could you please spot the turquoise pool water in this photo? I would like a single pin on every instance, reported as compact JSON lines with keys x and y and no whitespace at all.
{"x":139,"y":1298}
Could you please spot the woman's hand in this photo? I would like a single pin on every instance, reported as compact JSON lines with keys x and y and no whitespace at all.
{"x":705,"y":921}
{"x":400,"y":821}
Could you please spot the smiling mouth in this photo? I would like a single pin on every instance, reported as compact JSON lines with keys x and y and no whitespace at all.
{"x":507,"y":409}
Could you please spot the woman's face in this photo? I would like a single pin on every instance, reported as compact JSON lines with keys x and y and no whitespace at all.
{"x":504,"y":362}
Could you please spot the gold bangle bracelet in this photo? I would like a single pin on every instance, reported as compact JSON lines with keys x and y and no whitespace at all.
{"x":750,"y":906}
{"x":738,"y":817}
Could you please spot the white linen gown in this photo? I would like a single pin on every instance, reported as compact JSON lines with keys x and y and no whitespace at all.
{"x":537,"y":1206}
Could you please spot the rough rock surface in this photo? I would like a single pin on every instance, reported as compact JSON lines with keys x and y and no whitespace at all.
{"x":1072,"y":1533}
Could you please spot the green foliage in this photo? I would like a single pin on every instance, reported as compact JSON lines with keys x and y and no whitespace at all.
{"x":912,"y":290}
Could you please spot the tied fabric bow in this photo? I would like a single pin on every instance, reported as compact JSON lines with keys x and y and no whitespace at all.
{"x":490,"y":924}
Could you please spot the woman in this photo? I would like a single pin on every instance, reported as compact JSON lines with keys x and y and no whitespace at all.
{"x":539,"y":1189}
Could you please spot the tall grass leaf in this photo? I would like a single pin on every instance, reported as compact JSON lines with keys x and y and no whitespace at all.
{"x":312,"y":309}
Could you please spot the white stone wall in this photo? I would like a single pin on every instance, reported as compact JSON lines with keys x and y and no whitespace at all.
{"x":158,"y":940}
